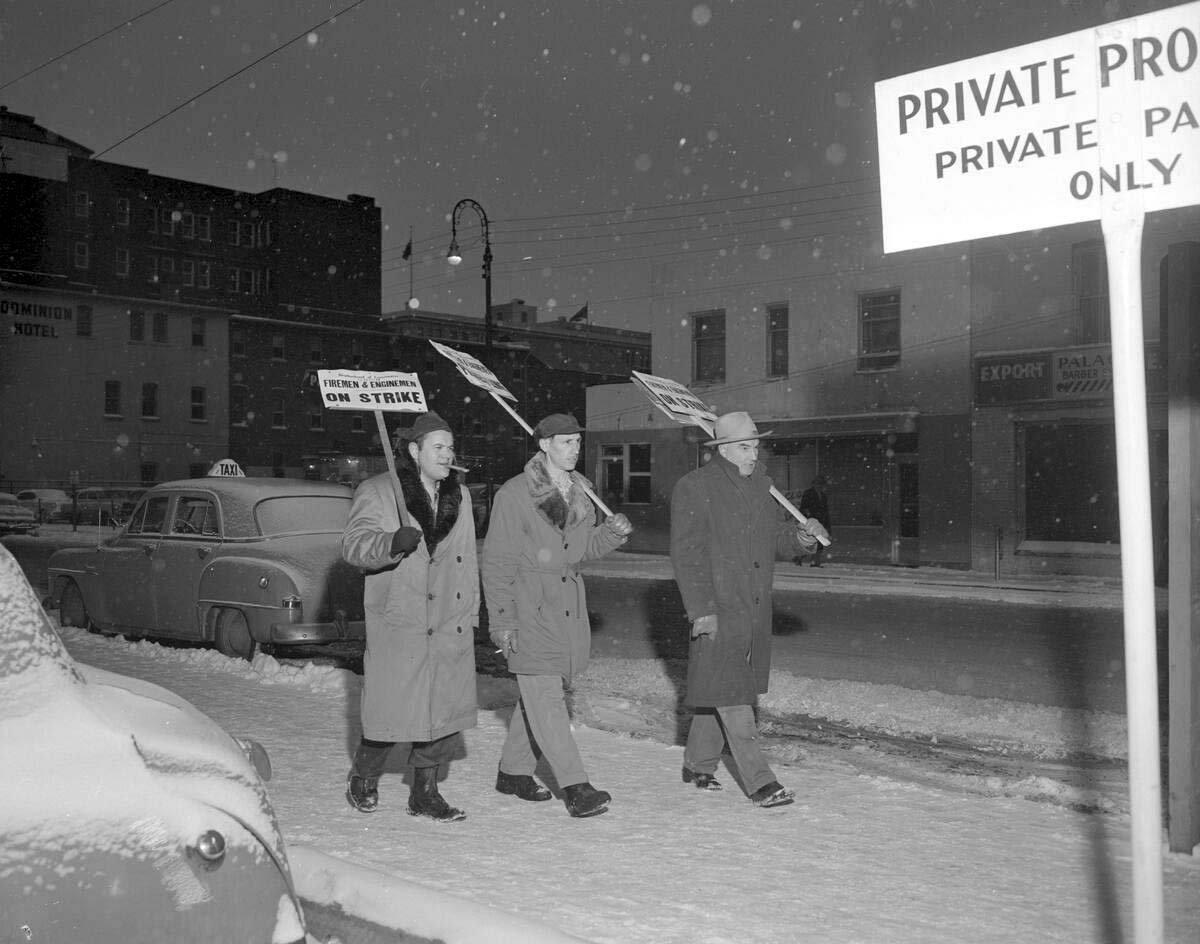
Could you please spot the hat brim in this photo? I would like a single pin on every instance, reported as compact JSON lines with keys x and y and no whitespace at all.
{"x":736,"y":439}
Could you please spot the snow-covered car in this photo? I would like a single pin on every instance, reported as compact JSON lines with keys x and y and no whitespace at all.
{"x":47,"y":504}
{"x":237,"y":562}
{"x":125,"y":813}
{"x":15,"y":518}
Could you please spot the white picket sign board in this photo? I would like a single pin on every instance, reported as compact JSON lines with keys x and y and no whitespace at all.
{"x":378,"y":391}
{"x":474,"y":370}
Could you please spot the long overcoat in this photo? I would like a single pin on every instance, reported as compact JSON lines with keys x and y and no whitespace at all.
{"x":725,"y":531}
{"x":421,"y":610}
{"x":536,"y":539}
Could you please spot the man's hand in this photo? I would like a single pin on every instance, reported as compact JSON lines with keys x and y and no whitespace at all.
{"x":505,"y":640}
{"x":620,"y":525}
{"x":809,"y":535}
{"x":405,"y":540}
{"x":705,"y":626}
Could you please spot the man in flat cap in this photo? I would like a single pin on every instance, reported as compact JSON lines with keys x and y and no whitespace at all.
{"x":725,"y":530}
{"x":543,"y":526}
{"x":422,"y":607}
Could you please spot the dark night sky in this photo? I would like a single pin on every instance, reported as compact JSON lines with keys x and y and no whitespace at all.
{"x":600,"y":136}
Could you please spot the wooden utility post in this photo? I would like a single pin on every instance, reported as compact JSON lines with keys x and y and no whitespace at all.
{"x":1181,"y":335}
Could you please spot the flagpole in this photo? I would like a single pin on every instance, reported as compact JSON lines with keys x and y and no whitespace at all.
{"x":410,"y":271}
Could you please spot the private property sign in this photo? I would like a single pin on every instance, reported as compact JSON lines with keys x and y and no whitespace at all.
{"x":1035,"y":136}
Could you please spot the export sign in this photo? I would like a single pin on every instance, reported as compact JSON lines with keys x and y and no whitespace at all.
{"x":1036,"y":135}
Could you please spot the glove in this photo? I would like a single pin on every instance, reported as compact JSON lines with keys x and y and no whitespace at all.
{"x":405,"y":540}
{"x":808,"y":535}
{"x":505,"y":640}
{"x":620,"y":525}
{"x":705,"y":626}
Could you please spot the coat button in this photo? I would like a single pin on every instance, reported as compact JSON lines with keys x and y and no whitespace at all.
{"x":564,"y":580}
{"x":429,"y":632}
{"x":431,"y":596}
{"x":756,"y":564}
{"x":460,"y":630}
{"x":459,"y":558}
{"x":568,"y":612}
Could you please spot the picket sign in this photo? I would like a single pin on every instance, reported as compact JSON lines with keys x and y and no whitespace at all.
{"x":1091,"y":125}
{"x":681,"y":405}
{"x":381,"y":392}
{"x":481,"y":376}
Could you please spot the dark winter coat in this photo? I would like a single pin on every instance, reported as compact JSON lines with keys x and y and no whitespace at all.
{"x":421,"y":609}
{"x":814,"y":503}
{"x":725,"y":530}
{"x":536,"y":539}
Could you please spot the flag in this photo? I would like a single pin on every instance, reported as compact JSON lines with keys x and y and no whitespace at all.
{"x":582,"y":314}
{"x":407,"y":254}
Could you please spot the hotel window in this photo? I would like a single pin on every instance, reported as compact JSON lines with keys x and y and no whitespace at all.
{"x":83,"y":321}
{"x":122,"y":263}
{"x":83,"y":204}
{"x":83,"y":255}
{"x":137,"y":325}
{"x":1089,"y":275}
{"x":277,"y":348}
{"x":187,"y":225}
{"x":237,"y":405}
{"x":112,"y":398}
{"x":199,"y":332}
{"x":777,"y":340}
{"x":237,"y":342}
{"x":879,"y":330}
{"x":187,"y":273}
{"x":279,"y":409}
{"x":203,"y":275}
{"x":166,"y":221}
{"x":204,"y":227}
{"x":708,"y":346}
{"x":199,"y":400}
{"x":356,"y":422}
{"x":159,"y":327}
{"x":122,"y":211}
{"x":150,"y":400}
{"x":316,"y":354}
{"x":243,"y":281}
{"x":356,"y":353}
{"x":316,"y":419}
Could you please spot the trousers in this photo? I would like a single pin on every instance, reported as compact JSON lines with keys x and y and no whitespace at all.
{"x":372,"y":756}
{"x":711,"y":729}
{"x":541,"y":726}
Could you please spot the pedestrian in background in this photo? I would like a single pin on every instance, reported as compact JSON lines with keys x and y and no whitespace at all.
{"x":814,"y":503}
{"x":543,"y":526}
{"x":725,"y":532}
{"x":422,"y":606}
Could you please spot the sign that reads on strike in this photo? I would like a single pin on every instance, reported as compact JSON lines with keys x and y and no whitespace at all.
{"x":386,"y":391}
{"x":1036,"y":136}
{"x":474,"y":370}
{"x":675,"y":398}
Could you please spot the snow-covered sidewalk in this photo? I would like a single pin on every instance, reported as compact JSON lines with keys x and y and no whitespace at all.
{"x":862,"y":856}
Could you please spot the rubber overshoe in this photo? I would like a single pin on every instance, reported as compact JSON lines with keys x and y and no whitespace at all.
{"x":522,"y":786}
{"x":702,"y":781}
{"x":582,"y":799}
{"x":772,"y":795}
{"x":362,"y":793}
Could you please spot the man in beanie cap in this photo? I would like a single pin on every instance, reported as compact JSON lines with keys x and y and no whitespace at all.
{"x":725,"y":528}
{"x":422,"y":607}
{"x":543,"y":526}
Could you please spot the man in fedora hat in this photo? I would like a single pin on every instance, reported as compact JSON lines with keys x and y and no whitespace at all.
{"x":543,"y":526}
{"x":725,"y":528}
{"x":422,"y":606}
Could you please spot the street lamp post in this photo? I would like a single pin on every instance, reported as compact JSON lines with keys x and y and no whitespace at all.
{"x":454,"y":257}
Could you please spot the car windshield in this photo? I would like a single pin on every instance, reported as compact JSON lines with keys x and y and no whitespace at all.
{"x":290,"y":514}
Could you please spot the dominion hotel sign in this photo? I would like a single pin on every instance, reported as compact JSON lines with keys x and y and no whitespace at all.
{"x":1062,"y":374}
{"x":35,"y":319}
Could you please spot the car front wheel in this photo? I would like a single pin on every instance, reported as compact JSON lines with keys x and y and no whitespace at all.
{"x":233,"y":635}
{"x":72,"y":611}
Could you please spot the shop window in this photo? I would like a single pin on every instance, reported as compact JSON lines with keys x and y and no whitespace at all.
{"x":879,"y":330}
{"x":708,"y":346}
{"x":1071,"y":483}
{"x":777,"y":340}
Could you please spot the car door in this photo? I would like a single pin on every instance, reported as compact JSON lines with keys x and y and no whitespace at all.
{"x":194,"y":530}
{"x":126,"y":567}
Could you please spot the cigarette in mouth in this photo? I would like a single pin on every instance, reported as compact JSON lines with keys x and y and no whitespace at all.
{"x":460,"y":468}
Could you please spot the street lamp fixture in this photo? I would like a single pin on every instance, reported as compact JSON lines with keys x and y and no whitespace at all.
{"x":454,"y":257}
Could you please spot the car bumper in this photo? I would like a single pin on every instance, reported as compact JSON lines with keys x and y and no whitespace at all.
{"x":298,"y":634}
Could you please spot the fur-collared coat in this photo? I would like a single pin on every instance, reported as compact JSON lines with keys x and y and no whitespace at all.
{"x":421,"y":609}
{"x":726,"y":530}
{"x":536,"y":539}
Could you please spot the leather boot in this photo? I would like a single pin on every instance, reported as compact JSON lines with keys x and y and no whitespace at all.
{"x":582,"y":799}
{"x":424,"y":800}
{"x":362,"y":793}
{"x":521,"y":786}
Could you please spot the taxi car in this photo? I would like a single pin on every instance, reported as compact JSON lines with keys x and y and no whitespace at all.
{"x":233,"y":561}
{"x":125,"y":813}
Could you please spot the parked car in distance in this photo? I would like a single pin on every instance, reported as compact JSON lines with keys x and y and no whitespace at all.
{"x":125,"y":813}
{"x":105,"y":505}
{"x":15,"y":518}
{"x":236,"y":562}
{"x":47,"y":504}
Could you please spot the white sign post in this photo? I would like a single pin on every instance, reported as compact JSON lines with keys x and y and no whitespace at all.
{"x":380,"y":392}
{"x":481,"y":376}
{"x":1099,"y":124}
{"x":681,"y":405}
